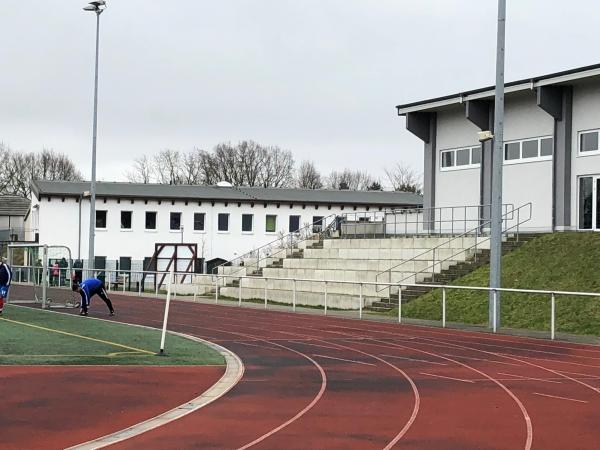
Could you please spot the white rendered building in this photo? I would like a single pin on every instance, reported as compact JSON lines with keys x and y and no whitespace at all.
{"x":552,"y":148}
{"x":223,"y":222}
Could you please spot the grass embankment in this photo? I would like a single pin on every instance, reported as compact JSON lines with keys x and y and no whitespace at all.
{"x":31,"y":336}
{"x":560,"y":262}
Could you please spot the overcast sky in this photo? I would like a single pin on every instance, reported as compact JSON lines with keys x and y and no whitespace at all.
{"x":318,"y":77}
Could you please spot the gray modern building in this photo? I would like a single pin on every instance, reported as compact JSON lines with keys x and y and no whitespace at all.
{"x":551,"y":149}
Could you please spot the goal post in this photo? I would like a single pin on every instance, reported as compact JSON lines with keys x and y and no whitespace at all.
{"x":42,"y":274}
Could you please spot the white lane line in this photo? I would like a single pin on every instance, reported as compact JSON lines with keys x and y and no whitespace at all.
{"x":345,"y":360}
{"x":447,"y":378}
{"x":313,"y":345}
{"x":521,"y":377}
{"x":561,"y":398}
{"x":415,"y":359}
{"x":585,"y":375}
{"x":248,"y":344}
{"x":481,"y":359}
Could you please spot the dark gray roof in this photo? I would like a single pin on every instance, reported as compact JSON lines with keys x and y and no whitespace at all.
{"x":215,"y":193}
{"x":512,"y":83}
{"x":12,"y":205}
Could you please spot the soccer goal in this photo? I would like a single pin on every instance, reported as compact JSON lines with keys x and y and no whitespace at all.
{"x":42,"y":274}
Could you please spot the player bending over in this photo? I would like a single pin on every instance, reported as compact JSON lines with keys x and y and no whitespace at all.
{"x":87,"y":289}
{"x":5,"y":279}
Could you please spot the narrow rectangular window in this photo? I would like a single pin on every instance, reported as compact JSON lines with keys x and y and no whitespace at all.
{"x":198,"y":221}
{"x":223,"y":222}
{"x":247,"y":220}
{"x":588,"y":142}
{"x":512,"y":151}
{"x":317,"y":224}
{"x":476,"y":155}
{"x":271,"y":223}
{"x":529,"y":149}
{"x":175,"y":221}
{"x":586,"y":186}
{"x":294,"y":223}
{"x":126,"y":220}
{"x":547,"y":147}
{"x":447,"y":159}
{"x":150,"y":220}
{"x":101,"y":218}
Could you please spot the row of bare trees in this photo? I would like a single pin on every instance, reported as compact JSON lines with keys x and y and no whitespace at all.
{"x":18,"y":169}
{"x":248,"y":163}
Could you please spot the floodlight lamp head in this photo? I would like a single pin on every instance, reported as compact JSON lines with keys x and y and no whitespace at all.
{"x":485,"y":136}
{"x":96,"y":6}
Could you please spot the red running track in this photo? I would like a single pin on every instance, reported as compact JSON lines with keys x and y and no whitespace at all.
{"x":314,"y":382}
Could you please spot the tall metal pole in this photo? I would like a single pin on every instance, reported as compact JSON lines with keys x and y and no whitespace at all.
{"x":497,"y":162}
{"x":94,"y":132}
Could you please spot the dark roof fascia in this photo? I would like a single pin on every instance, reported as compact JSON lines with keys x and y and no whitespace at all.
{"x":489,"y":88}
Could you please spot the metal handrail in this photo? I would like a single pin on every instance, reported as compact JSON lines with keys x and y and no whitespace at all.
{"x":279,"y":243}
{"x":445,"y":244}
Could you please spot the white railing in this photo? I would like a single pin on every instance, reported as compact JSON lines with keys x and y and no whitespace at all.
{"x":296,"y":301}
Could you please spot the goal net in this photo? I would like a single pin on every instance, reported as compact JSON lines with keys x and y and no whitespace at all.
{"x":42,"y":274}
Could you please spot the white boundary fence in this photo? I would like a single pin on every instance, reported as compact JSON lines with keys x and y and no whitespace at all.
{"x":217,"y":281}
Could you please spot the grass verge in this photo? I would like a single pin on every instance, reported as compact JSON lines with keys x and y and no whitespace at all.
{"x":559,"y":261}
{"x":33,"y":336}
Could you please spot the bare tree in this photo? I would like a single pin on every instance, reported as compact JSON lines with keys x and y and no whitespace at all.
{"x":308,"y":177}
{"x":18,"y":170}
{"x":405,"y":179}
{"x":142,"y":171}
{"x":277,"y":169}
{"x":356,"y":180}
{"x":168,"y":167}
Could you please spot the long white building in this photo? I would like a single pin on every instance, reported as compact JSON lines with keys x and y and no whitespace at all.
{"x":551,"y":151}
{"x":223,"y":222}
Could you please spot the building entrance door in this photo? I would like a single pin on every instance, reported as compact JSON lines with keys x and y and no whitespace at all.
{"x":589,"y":203}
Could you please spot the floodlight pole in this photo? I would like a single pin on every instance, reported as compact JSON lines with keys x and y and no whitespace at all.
{"x":94,"y":133}
{"x":497,"y":162}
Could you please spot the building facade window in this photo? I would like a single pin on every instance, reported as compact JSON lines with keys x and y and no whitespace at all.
{"x":101,"y":219}
{"x":294,"y":224}
{"x":589,"y":142}
{"x":247,"y":223}
{"x":150,"y":220}
{"x":199,"y":221}
{"x":527,"y":150}
{"x":175,"y":221}
{"x":126,"y":217}
{"x":317,"y":224}
{"x":271,"y":223}
{"x":460,"y":158}
{"x":223,"y":222}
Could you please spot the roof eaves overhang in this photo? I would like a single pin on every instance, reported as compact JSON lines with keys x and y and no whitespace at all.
{"x":486,"y":93}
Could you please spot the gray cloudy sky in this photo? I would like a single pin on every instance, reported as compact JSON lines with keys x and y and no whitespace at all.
{"x":318,"y":77}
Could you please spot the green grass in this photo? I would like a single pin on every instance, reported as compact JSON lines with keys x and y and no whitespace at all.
{"x":26,"y":343}
{"x":559,"y":261}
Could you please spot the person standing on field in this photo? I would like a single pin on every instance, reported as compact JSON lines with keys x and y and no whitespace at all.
{"x":5,"y":279}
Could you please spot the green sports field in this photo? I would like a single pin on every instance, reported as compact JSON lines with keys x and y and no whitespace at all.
{"x":32,"y":336}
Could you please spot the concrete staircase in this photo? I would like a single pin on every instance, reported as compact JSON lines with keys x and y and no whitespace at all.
{"x":339,"y":261}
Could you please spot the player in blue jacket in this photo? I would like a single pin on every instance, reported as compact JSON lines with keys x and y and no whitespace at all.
{"x":87,"y":289}
{"x":5,"y":279}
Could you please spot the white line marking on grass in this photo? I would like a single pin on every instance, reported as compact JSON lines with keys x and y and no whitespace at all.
{"x":521,"y":377}
{"x":346,"y":360}
{"x":561,"y":398}
{"x":416,"y":360}
{"x":447,"y":378}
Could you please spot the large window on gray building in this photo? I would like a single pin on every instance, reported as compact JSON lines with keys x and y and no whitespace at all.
{"x":588,"y":141}
{"x":460,"y":158}
{"x":527,"y":150}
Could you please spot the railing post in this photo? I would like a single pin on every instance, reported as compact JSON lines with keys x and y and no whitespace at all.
{"x":325,"y":297}
{"x":265,"y":293}
{"x":495,"y":310}
{"x":360,"y":301}
{"x":518,"y":221}
{"x":552,"y":316}
{"x":399,"y":303}
{"x":140,"y":285}
{"x":443,"y":307}
{"x":452,"y":221}
{"x":294,"y":295}
{"x":240,"y":293}
{"x":216,"y":289}
{"x":432,"y":268}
